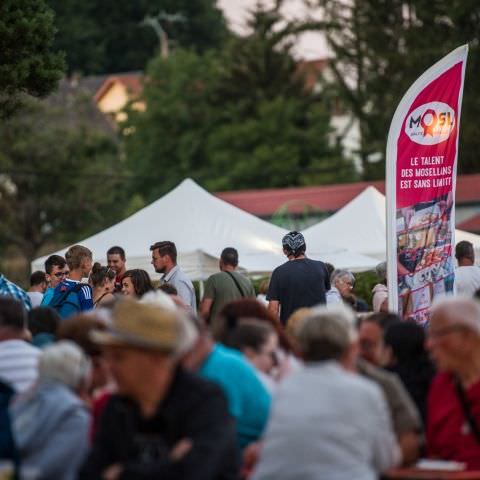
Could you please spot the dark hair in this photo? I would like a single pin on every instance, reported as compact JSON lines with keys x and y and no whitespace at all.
{"x":54,"y":261}
{"x":116,"y":250}
{"x":464,"y":249}
{"x":229,"y":256}
{"x":249,"y":333}
{"x":99,"y":274}
{"x":330,"y":268}
{"x":407,"y":341}
{"x":230,"y":314}
{"x":12,"y":313}
{"x":383,"y":319}
{"x":166,"y":248}
{"x":78,"y":329}
{"x":43,"y":320}
{"x":168,"y":288}
{"x":140,"y":280}
{"x":37,"y":278}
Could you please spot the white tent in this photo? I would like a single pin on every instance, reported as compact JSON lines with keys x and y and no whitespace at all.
{"x":360,"y":226}
{"x":201,"y":225}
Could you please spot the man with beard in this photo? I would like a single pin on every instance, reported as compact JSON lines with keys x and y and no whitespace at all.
{"x":164,"y":260}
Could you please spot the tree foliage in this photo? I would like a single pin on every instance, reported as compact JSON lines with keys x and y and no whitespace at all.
{"x":27,"y":63}
{"x":55,"y":177}
{"x":239,"y":118}
{"x":380,"y":47}
{"x":108,"y":36}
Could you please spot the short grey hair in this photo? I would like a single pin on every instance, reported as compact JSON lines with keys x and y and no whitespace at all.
{"x":459,"y":310}
{"x":327,"y":333}
{"x":64,"y":362}
{"x":381,"y":271}
{"x":339,"y":274}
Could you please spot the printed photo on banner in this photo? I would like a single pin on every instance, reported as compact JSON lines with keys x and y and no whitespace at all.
{"x":425,"y":266}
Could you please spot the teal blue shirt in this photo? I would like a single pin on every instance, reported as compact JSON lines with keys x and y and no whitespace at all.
{"x":248,"y":400}
{"x":47,"y":296}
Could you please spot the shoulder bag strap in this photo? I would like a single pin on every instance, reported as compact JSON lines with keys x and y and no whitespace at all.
{"x":467,"y":411}
{"x":236,"y":283}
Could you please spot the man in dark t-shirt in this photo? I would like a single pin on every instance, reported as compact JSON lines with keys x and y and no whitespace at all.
{"x":300,"y":282}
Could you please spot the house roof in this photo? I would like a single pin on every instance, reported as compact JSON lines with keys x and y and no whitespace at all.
{"x":69,"y":96}
{"x":327,"y":198}
{"x":131,"y":80}
{"x":311,"y":69}
{"x":471,"y":224}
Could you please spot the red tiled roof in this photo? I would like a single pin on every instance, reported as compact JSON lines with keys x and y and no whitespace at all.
{"x":132,"y":81}
{"x":326,"y":198}
{"x":468,"y":188}
{"x":312,"y":69}
{"x":471,"y":224}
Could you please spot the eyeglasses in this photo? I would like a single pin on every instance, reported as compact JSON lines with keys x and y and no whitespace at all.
{"x":61,"y":274}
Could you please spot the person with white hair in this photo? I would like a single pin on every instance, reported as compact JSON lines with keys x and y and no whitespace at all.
{"x":380,"y":290}
{"x":328,"y":422}
{"x":342,"y":284}
{"x":50,"y":422}
{"x":453,"y":407}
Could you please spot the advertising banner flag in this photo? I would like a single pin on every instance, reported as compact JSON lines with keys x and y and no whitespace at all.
{"x":422,"y":151}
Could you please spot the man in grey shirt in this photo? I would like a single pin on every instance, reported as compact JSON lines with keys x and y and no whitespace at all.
{"x":164,"y":260}
{"x":327,"y":422}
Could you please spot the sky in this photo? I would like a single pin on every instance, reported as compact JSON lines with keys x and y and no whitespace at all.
{"x":310,"y":45}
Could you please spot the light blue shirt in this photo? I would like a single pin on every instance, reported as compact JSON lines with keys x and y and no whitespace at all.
{"x":248,"y":400}
{"x":327,"y":423}
{"x":184,"y":286}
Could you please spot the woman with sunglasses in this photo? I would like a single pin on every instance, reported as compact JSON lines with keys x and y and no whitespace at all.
{"x":102,"y":280}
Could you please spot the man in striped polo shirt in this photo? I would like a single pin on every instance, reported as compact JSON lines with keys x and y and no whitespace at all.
{"x":18,"y":359}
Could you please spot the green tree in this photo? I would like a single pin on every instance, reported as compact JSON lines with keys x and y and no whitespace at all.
{"x":380,"y":47}
{"x":108,"y":36}
{"x":237,"y":119}
{"x":55,"y":181}
{"x":166,"y":143}
{"x":27,"y":63}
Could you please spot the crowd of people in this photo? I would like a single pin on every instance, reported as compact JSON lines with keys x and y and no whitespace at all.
{"x":107,"y":374}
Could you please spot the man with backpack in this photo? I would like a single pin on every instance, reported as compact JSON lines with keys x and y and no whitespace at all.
{"x":71,"y":296}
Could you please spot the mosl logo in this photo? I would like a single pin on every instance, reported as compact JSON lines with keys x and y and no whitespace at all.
{"x":430,"y":123}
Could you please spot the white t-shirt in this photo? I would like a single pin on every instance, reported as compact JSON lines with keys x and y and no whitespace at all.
{"x":35,"y":298}
{"x":333,"y":296}
{"x":467,"y":280}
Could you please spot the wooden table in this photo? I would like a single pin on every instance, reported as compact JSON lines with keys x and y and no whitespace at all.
{"x":421,"y":474}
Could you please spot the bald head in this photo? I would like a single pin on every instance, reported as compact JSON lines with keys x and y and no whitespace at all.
{"x":454,"y":336}
{"x":464,"y":312}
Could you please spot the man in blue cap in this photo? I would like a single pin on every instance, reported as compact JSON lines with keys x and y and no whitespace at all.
{"x":300,"y":282}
